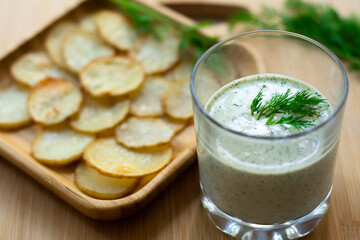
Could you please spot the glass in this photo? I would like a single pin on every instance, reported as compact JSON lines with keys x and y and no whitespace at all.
{"x":265,"y":201}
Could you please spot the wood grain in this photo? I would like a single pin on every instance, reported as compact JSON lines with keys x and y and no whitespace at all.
{"x":21,"y":20}
{"x":29,"y":211}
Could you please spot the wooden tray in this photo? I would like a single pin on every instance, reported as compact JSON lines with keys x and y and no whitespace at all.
{"x":15,"y":146}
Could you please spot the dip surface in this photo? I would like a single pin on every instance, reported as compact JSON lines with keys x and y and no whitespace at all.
{"x":230,"y":105}
{"x":256,"y":180}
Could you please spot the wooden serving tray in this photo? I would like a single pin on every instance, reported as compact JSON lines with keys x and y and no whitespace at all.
{"x":15,"y":146}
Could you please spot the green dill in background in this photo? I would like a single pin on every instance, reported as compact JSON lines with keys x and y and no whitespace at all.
{"x":298,"y":106}
{"x":191,"y":38}
{"x":144,"y":19}
{"x":320,"y":22}
{"x":148,"y":21}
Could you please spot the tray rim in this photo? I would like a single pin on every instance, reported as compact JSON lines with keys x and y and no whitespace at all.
{"x":58,"y":184}
{"x":92,"y":207}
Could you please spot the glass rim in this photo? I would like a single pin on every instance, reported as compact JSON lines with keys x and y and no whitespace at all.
{"x":271,"y":32}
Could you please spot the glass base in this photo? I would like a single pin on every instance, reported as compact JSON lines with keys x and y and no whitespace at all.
{"x":249,"y":231}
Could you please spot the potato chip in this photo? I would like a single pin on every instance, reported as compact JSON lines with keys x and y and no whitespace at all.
{"x":115,"y":29}
{"x":175,"y":124}
{"x":80,"y":47}
{"x":59,"y":145}
{"x":182,"y":70}
{"x":155,"y":55}
{"x":177,"y":99}
{"x":100,"y":114}
{"x":205,"y":77}
{"x":13,"y":110}
{"x":112,"y":76}
{"x":69,"y":77}
{"x":53,"y":100}
{"x":31,"y":68}
{"x":100,"y":186}
{"x":54,"y":40}
{"x":143,"y":132}
{"x":88,"y":23}
{"x":146,"y":102}
{"x":115,"y":160}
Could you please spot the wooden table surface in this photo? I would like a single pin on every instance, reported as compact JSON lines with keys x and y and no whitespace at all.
{"x":29,"y":211}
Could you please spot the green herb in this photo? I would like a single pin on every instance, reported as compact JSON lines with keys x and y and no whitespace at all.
{"x":296,"y":122}
{"x":295,"y":107}
{"x":320,"y":22}
{"x":256,"y":103}
{"x":191,"y":38}
{"x":148,"y":21}
{"x":267,"y":19}
{"x":144,"y":19}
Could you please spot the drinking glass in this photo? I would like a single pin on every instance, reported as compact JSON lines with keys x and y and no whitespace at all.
{"x":264,"y":200}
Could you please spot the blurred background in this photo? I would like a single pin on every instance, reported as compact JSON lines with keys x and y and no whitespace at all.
{"x":21,"y":19}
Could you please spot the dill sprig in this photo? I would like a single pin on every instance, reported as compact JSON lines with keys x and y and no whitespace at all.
{"x":295,"y":107}
{"x":144,"y":19}
{"x":297,"y":122}
{"x":190,"y":38}
{"x":148,"y":21}
{"x":256,"y":103}
{"x":276,"y":104}
{"x":320,"y":22}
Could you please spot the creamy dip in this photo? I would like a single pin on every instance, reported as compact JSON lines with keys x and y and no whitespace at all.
{"x":230,"y":105}
{"x":258,"y":180}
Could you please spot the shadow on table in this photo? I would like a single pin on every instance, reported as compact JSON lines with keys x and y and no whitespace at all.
{"x":175,"y":214}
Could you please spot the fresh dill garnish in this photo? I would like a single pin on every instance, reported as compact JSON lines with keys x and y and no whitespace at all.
{"x":256,"y":103}
{"x":296,"y":122}
{"x":293,"y":108}
{"x":320,"y":22}
{"x":276,"y":104}
{"x":148,"y":21}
